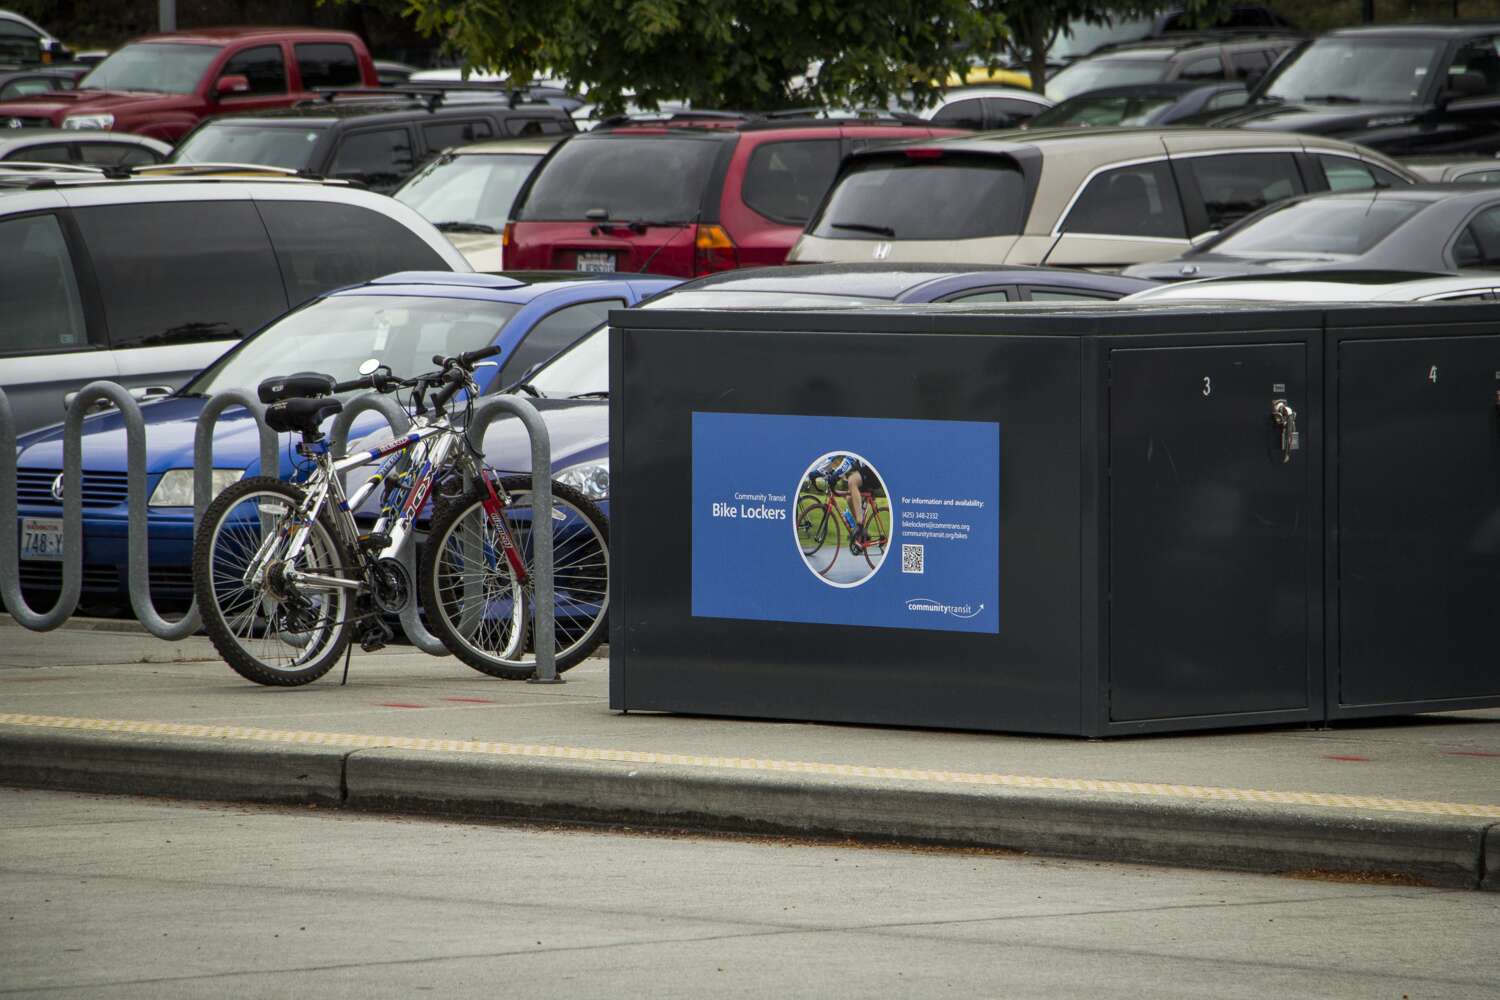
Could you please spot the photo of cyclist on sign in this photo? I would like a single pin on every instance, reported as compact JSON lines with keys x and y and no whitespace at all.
{"x":864,"y":519}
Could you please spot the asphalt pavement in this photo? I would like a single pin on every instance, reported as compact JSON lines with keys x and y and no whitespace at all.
{"x":99,"y":706}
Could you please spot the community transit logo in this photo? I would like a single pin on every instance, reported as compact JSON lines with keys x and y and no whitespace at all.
{"x":938,"y":607}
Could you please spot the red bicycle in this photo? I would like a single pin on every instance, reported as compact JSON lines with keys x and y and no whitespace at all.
{"x":821,"y":522}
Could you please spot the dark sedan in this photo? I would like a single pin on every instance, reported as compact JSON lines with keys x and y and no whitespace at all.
{"x":1424,"y":228}
{"x":1143,"y":104}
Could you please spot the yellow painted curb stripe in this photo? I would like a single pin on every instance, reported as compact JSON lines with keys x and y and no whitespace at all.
{"x":360,"y":741}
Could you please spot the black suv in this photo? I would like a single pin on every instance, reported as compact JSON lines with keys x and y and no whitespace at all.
{"x":376,"y":137}
{"x":1201,"y":58}
{"x":1401,"y":88}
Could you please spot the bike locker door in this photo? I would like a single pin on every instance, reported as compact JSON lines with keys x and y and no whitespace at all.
{"x":1209,"y":532}
{"x":1418,"y":508}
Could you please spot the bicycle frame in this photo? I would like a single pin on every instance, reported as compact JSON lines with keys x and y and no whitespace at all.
{"x":326,"y":484}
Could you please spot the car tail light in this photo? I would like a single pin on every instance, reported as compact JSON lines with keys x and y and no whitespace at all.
{"x":923,"y":153}
{"x":507,"y":235}
{"x":713,"y":250}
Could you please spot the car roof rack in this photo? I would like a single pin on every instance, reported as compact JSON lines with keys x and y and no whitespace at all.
{"x":685,"y":118}
{"x":199,"y":169}
{"x":433,"y":94}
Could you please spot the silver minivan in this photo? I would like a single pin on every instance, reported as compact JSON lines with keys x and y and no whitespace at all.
{"x":146,"y":281}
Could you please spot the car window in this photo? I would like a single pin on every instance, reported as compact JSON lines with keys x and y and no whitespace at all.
{"x":1480,"y":177}
{"x":1344,"y":173}
{"x":1062,"y":295}
{"x":534,"y":126}
{"x":116,"y":153}
{"x":784,"y":181}
{"x":554,"y":333}
{"x":1105,"y":109}
{"x":441,"y":135}
{"x":1478,"y":246}
{"x":38,"y":289}
{"x":1236,"y":184}
{"x":1203,"y":69}
{"x":236,"y":142}
{"x":898,"y":197}
{"x":1374,"y":70}
{"x":960,"y":114}
{"x":983,"y":295}
{"x":646,"y":178}
{"x":1093,"y":74}
{"x":321,"y":246}
{"x":380,"y":159}
{"x":24,"y":86}
{"x":477,"y":187}
{"x":1475,"y":70}
{"x":1228,"y":99}
{"x":1475,"y":296}
{"x":1248,"y":63}
{"x":1138,"y":200}
{"x":263,"y":66}
{"x":52,"y":152}
{"x":163,"y":67}
{"x":1348,"y":225}
{"x":1008,"y":112}
{"x":327,"y":64}
{"x":180,"y":273}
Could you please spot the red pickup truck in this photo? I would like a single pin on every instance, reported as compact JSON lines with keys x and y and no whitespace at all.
{"x":163,"y":85}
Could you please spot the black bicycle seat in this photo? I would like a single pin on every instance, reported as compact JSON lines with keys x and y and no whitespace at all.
{"x":302,"y":415}
{"x":298,"y":385}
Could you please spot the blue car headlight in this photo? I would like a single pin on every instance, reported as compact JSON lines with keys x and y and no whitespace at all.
{"x":176,"y":486}
{"x":589,"y":478}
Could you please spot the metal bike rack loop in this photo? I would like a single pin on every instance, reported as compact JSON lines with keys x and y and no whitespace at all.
{"x":400,"y":421}
{"x":545,"y":632}
{"x":137,"y":544}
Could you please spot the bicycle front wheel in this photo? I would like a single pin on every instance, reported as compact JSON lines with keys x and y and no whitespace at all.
{"x":877,"y":535}
{"x":267,"y":631}
{"x":483,"y":612}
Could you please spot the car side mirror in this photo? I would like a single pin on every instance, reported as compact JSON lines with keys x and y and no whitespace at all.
{"x":141,"y":393}
{"x":1203,"y":237}
{"x":234,"y":83}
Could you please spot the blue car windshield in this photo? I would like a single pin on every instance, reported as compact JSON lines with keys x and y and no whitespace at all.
{"x":336,"y":335}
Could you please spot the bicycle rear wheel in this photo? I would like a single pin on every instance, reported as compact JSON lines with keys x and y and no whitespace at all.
{"x":482,"y":612}
{"x":268,"y":635}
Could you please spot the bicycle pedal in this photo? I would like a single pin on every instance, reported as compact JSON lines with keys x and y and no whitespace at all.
{"x":375,"y":636}
{"x":373,"y":541}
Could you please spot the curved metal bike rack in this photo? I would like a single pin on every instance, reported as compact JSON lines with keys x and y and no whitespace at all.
{"x":545,"y":631}
{"x":137,"y":544}
{"x":203,"y":443}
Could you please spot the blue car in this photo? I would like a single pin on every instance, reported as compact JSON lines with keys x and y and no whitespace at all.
{"x":402,"y":319}
{"x":572,"y":390}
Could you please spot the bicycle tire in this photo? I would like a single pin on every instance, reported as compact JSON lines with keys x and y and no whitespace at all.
{"x":231,"y":624}
{"x":812,"y":531}
{"x":463,"y":619}
{"x":878,"y":535}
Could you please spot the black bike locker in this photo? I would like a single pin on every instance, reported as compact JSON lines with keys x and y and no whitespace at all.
{"x":1210,"y":531}
{"x":1414,"y":476}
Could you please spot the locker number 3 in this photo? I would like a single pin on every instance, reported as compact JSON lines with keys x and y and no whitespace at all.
{"x":1208,"y":386}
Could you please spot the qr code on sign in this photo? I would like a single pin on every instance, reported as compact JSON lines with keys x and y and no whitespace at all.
{"x":911,"y":558}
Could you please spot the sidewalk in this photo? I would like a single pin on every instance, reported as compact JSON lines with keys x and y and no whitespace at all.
{"x":92,"y":707}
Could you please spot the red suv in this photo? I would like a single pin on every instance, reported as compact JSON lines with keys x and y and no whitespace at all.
{"x":687,"y":194}
{"x":163,"y":85}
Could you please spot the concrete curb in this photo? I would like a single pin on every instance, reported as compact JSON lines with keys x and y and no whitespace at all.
{"x":131,"y":764}
{"x":1439,"y":850}
{"x":1444,"y":851}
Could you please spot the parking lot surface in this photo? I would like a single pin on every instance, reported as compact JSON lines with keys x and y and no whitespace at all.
{"x":93,"y":707}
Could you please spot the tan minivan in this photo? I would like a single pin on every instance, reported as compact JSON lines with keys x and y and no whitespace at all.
{"x":1097,"y":198}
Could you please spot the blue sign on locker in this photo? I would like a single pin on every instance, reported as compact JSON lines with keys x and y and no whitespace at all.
{"x":847,"y":521}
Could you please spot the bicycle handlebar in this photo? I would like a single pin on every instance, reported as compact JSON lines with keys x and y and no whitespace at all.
{"x":468,"y":359}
